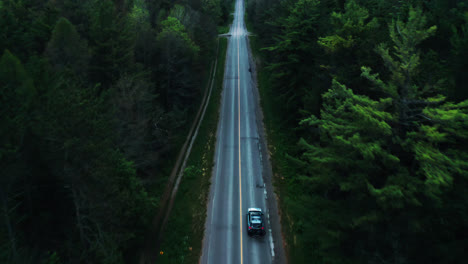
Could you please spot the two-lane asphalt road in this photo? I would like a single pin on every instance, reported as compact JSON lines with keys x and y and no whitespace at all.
{"x":238,"y":181}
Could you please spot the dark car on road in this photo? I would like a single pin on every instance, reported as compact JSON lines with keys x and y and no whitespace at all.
{"x":255,"y":224}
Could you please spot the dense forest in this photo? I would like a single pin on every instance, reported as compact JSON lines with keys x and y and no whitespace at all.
{"x":373,"y":113}
{"x":93,"y":96}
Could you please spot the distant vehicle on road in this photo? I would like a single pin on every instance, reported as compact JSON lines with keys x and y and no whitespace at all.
{"x":255,"y":224}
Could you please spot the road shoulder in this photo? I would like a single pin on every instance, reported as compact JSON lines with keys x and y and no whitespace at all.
{"x":271,"y":199}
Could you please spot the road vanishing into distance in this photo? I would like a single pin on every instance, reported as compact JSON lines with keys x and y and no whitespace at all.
{"x":238,"y":175}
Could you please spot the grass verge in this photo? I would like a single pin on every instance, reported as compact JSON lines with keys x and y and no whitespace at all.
{"x":184,"y":231}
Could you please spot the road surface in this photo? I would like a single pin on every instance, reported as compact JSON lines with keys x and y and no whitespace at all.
{"x":238,"y":175}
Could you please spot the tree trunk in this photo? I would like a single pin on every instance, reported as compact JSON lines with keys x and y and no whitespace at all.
{"x":77,"y":214}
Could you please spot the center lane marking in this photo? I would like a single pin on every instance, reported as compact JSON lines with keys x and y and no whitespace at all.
{"x":239,"y":131}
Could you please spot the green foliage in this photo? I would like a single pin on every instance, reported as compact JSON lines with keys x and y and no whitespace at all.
{"x":293,"y":49}
{"x":142,"y":126}
{"x":178,"y":55}
{"x":349,"y":26}
{"x":66,"y":49}
{"x":405,"y":36}
{"x":140,"y":24}
{"x":111,"y":41}
{"x":403,"y":66}
{"x":171,"y":27}
{"x":213,"y":9}
{"x":87,"y":127}
{"x":364,"y":144}
{"x":103,"y":187}
{"x":53,"y":258}
{"x":459,"y":41}
{"x":348,"y":40}
{"x":16,"y":97}
{"x":139,"y":14}
{"x":353,"y":130}
{"x":435,"y":146}
{"x":413,"y":110}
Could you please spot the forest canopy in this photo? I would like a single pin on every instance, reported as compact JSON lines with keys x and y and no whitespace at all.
{"x":94,"y":98}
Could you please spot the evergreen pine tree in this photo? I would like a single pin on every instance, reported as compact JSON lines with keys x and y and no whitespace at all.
{"x":16,"y":97}
{"x":293,"y":48}
{"x":177,"y":56}
{"x":67,"y":50}
{"x":349,"y":42}
{"x":111,"y":42}
{"x":379,"y":165}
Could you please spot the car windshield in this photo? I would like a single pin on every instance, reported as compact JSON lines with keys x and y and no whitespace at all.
{"x":256,"y":219}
